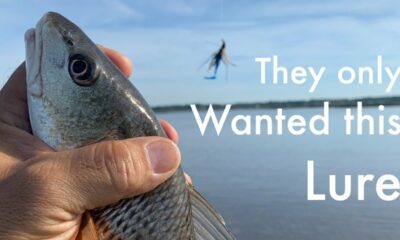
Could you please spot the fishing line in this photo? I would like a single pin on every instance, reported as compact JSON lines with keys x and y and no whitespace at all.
{"x":221,"y":16}
{"x":221,"y":25}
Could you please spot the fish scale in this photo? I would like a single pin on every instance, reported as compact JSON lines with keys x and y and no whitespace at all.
{"x":169,"y":198}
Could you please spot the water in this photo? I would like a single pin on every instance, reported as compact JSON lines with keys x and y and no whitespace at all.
{"x":259,"y":185}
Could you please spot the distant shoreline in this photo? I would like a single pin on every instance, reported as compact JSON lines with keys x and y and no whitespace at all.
{"x":338,"y":103}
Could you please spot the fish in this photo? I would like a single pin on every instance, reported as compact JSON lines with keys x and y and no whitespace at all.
{"x":76,"y":97}
{"x":216,"y":59}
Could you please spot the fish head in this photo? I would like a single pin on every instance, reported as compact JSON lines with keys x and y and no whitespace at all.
{"x":76,"y":95}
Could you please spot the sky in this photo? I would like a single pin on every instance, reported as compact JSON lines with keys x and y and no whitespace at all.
{"x":167,"y":41}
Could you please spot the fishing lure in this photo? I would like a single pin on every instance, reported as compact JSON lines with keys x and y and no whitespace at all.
{"x":216,"y":59}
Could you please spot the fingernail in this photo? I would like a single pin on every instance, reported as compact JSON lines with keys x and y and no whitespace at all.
{"x":163,"y":155}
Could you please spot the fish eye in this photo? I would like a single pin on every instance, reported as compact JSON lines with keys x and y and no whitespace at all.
{"x":82,"y":70}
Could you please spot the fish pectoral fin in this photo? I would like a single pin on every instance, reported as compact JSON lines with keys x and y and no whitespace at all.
{"x":87,"y":230}
{"x":208,"y":224}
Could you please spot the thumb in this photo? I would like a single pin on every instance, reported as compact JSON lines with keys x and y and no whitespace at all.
{"x":103,"y":173}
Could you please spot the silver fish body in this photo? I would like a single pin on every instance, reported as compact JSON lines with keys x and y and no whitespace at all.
{"x":76,"y":97}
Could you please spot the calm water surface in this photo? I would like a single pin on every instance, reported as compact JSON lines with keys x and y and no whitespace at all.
{"x":258,"y":183}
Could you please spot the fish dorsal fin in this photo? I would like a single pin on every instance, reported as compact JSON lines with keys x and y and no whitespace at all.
{"x":208,"y":224}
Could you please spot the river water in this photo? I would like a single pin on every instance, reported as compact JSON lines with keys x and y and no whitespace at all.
{"x":259,"y":183}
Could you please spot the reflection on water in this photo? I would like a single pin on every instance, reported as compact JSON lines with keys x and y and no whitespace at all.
{"x":258,"y":183}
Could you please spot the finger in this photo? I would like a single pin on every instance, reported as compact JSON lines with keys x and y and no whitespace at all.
{"x":19,"y":145}
{"x":106,"y":172}
{"x":170,"y":131}
{"x":122,"y":62}
{"x":188,"y":179}
{"x":13,"y":106}
{"x":7,"y":167}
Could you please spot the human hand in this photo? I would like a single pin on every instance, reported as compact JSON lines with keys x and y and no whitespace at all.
{"x":43,"y":193}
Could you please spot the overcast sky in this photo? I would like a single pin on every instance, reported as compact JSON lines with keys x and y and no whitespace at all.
{"x":168,"y":40}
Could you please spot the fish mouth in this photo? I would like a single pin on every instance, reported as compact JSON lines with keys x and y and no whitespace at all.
{"x":34,"y":53}
{"x":33,"y":60}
